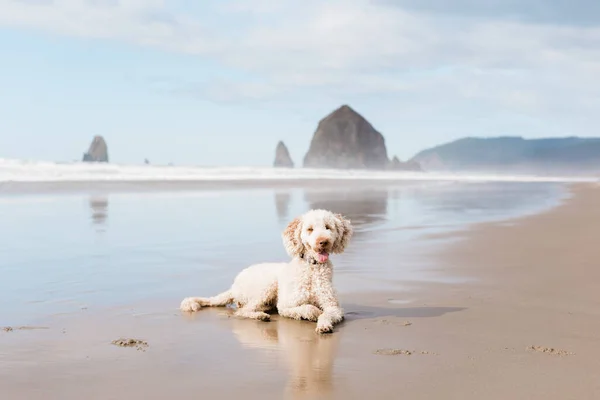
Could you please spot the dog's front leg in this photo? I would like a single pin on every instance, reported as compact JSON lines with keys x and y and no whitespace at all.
{"x":332,"y":312}
{"x":330,"y":317}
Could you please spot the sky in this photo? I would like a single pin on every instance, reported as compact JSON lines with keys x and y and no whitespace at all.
{"x":220,"y":82}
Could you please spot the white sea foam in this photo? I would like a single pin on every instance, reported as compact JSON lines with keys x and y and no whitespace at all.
{"x":38,"y":171}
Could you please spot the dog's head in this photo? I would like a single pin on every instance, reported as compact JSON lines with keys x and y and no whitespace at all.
{"x":316,"y":234}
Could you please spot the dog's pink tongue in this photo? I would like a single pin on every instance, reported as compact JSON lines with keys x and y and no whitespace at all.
{"x":323,"y":256}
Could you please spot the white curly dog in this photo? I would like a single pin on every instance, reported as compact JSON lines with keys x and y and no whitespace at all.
{"x":300,"y":289}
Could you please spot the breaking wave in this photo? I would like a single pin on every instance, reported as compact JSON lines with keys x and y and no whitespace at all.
{"x":39,"y":171}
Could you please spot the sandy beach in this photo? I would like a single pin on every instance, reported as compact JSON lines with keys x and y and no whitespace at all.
{"x":179,"y":179}
{"x":522,"y":325}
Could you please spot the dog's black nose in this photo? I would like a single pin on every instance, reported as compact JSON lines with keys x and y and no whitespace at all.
{"x":324,"y":242}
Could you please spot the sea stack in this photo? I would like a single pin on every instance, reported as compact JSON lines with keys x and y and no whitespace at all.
{"x":411,"y":165}
{"x":344,"y":139}
{"x":98,"y":151}
{"x":282,"y":157}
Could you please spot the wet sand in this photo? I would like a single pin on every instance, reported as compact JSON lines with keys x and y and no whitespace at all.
{"x":526,"y":327}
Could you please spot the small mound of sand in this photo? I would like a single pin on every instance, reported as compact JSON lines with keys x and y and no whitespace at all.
{"x":23,"y":328}
{"x":550,"y":350}
{"x":396,"y":352}
{"x":391,"y":322}
{"x":137,"y":343}
{"x":31,"y":328}
{"x":393,"y":352}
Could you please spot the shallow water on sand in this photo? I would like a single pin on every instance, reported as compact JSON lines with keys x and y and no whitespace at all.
{"x":60,"y":253}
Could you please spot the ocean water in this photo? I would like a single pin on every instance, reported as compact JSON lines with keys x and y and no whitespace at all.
{"x":63,"y":252}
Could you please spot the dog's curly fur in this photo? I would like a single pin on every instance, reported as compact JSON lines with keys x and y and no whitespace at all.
{"x":300,"y":289}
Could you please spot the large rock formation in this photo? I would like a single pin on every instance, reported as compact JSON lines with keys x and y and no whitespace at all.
{"x":282,"y":157}
{"x":345,"y":139}
{"x":397,"y":165}
{"x":98,"y":151}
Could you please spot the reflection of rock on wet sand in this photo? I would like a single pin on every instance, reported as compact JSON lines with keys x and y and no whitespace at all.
{"x":99,"y":206}
{"x":361,"y":206}
{"x":309,"y":357}
{"x":282,"y":204}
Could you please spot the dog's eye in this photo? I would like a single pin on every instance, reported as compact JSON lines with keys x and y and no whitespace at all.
{"x":327,"y":227}
{"x":309,"y":230}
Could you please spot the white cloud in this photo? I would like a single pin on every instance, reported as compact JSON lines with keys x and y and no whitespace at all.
{"x":345,"y":48}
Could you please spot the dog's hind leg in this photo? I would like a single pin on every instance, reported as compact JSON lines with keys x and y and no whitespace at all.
{"x":196,"y":303}
{"x":254,"y":311}
{"x":305,"y":311}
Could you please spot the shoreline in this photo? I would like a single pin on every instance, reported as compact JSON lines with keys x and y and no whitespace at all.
{"x":526,"y":327}
{"x":530,"y":319}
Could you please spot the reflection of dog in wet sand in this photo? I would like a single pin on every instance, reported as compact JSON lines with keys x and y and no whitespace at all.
{"x":300,"y":289}
{"x":308,"y":357}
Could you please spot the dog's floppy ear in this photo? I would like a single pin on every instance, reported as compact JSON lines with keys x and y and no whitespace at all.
{"x":291,"y":238}
{"x":344,"y":233}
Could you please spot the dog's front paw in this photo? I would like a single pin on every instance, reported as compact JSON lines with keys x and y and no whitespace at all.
{"x":189,"y":304}
{"x":324,"y":327}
